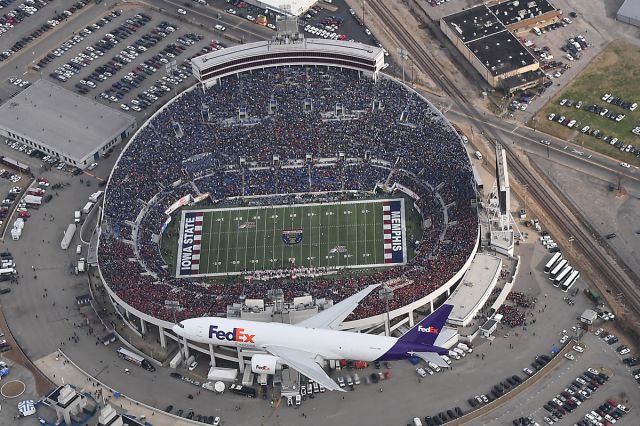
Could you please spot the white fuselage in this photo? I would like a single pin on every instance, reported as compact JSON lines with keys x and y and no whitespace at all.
{"x":329,"y":344}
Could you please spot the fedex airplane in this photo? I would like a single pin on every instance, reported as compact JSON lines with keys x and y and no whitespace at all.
{"x":306,"y":345}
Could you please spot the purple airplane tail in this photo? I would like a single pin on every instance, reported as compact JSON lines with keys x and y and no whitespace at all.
{"x":427,"y":330}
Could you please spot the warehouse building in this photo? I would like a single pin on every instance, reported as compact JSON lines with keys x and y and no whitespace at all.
{"x":63,"y":124}
{"x":629,"y":13}
{"x":486,"y":35}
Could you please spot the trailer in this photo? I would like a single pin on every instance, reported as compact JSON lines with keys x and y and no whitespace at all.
{"x":247,"y":377}
{"x":81,"y":265}
{"x":32,"y":200}
{"x":136,"y":359}
{"x":87,"y":207}
{"x":16,"y":165}
{"x":95,"y":196}
{"x":223,"y":374}
{"x":68,"y":236}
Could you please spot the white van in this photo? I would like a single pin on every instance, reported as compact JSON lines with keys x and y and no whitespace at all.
{"x":417,"y":421}
{"x":478,"y":155}
{"x":434,"y":366}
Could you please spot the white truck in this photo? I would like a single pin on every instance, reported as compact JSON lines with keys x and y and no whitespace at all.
{"x":68,"y":236}
{"x":32,"y":200}
{"x":81,"y":265}
{"x":95,"y":196}
{"x":16,"y":234}
{"x":87,"y":207}
{"x":464,"y":347}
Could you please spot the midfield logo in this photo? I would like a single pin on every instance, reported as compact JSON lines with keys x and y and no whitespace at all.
{"x":292,"y":237}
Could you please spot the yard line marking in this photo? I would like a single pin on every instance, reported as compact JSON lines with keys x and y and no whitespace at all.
{"x":264,"y":242}
{"x":227,"y":250}
{"x":209,"y":236}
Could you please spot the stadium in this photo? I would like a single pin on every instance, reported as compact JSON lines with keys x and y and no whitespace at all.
{"x":296,"y":169}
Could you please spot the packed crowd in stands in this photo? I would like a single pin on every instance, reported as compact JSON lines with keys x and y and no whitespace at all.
{"x":363,"y":149}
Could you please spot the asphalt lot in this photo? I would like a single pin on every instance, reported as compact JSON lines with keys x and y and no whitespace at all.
{"x":34,"y":319}
{"x":9,"y":406}
{"x":58,"y":320}
{"x":621,"y":387}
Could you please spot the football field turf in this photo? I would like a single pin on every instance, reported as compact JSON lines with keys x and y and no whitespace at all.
{"x":355,"y":234}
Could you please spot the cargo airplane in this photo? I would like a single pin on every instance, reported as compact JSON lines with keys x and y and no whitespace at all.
{"x":306,"y":345}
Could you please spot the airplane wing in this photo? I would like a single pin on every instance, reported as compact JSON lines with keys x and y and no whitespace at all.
{"x":305,"y":363}
{"x":332,"y":317}
{"x":432,"y":357}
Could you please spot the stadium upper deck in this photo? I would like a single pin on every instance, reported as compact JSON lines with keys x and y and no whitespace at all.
{"x":212,"y":66}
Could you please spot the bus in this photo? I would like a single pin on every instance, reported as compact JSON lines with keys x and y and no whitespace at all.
{"x":557,"y":269}
{"x":573,"y":277}
{"x":562,"y":275}
{"x":554,"y":259}
{"x":135,"y":359}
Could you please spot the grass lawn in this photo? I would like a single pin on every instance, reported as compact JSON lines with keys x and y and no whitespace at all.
{"x":616,"y":70}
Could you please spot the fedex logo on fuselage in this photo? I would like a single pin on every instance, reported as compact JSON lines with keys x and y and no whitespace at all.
{"x":236,"y":335}
{"x":429,"y":329}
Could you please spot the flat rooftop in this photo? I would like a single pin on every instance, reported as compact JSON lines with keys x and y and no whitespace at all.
{"x":474,"y":23}
{"x":514,"y":11}
{"x":501,"y":52}
{"x":475,"y":287}
{"x":62,"y":120}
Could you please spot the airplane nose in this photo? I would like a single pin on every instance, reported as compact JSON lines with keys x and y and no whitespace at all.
{"x":178,"y":330}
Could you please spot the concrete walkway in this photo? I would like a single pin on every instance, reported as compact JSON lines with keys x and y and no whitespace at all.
{"x":61,"y":371}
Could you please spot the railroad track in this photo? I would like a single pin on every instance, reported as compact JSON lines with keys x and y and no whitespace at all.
{"x":574,"y":224}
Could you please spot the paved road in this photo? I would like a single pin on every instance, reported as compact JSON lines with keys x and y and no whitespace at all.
{"x":41,"y":324}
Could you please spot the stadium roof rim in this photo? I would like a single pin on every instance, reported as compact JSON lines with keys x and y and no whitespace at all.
{"x":223,"y":56}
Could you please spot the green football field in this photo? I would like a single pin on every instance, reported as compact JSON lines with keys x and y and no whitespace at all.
{"x":356,"y":234}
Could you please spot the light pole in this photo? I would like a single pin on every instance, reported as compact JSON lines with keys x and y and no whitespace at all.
{"x":404,"y":55}
{"x":526,"y":187}
{"x":386,"y":293}
{"x":570,"y":239}
{"x":364,"y":3}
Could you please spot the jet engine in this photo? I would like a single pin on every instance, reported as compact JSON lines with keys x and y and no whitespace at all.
{"x":265,"y":364}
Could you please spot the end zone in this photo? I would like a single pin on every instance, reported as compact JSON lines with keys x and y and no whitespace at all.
{"x":394,"y":228}
{"x":189,"y":243}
